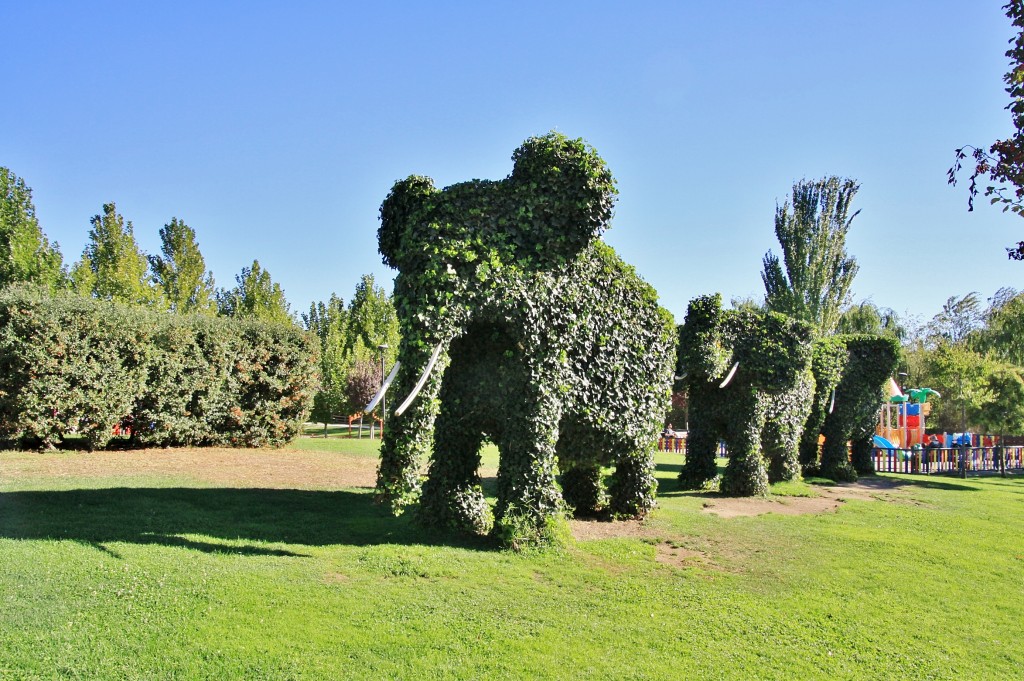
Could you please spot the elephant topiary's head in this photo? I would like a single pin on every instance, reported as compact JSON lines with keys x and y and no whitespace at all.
{"x":557,"y":200}
{"x":764,"y":350}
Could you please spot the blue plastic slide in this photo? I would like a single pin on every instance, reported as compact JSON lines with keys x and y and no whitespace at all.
{"x":883,"y":443}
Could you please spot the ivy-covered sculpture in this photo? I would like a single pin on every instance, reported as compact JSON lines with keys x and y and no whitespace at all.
{"x":829,"y":360}
{"x":521,"y":327}
{"x":871,"y":360}
{"x":749,"y":383}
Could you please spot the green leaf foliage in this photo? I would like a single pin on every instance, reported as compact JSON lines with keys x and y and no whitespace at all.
{"x":25,"y":253}
{"x":827,"y":364}
{"x":76,"y":366}
{"x":870,"y":361}
{"x":255,"y":296}
{"x":760,"y":412}
{"x":550,"y":346}
{"x":112,"y":265}
{"x":180,"y":271}
{"x":812,"y":281}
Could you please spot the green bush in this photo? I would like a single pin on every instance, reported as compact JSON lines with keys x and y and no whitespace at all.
{"x":72,"y":366}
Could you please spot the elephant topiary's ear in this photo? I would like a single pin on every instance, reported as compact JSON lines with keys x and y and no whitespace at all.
{"x":406,"y":204}
{"x":564,"y":194}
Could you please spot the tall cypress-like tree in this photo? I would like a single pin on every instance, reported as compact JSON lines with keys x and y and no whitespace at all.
{"x":328,"y":321}
{"x":812,"y":282}
{"x":112,"y":265}
{"x":255,"y":296}
{"x":25,"y":252}
{"x":181,"y":271}
{"x":372,"y":320}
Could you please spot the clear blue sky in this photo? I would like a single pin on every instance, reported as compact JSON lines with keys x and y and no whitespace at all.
{"x":276,"y":129}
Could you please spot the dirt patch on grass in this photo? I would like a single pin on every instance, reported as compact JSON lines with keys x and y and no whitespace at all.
{"x":681,"y":557}
{"x":262,"y":468}
{"x":728,"y":507}
{"x":584,"y":530}
{"x":828,"y":500}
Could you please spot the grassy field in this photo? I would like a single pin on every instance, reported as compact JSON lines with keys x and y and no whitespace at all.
{"x":196,"y":564}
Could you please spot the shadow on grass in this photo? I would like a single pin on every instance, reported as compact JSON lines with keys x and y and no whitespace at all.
{"x":162,"y":515}
{"x":883,"y":483}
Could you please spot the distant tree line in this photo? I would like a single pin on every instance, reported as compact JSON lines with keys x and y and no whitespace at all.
{"x":114,"y":268}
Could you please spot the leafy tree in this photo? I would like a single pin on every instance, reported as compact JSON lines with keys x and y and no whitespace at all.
{"x":181,"y":271}
{"x":812,"y":281}
{"x":112,"y":265}
{"x":328,"y":322}
{"x":958,"y":318}
{"x":255,"y":296}
{"x":25,"y":253}
{"x":1003,"y":162}
{"x":363,"y":382}
{"x":1003,"y":334}
{"x":1005,"y":414}
{"x":867,"y":317}
{"x":963,"y":376}
{"x":372,"y":320}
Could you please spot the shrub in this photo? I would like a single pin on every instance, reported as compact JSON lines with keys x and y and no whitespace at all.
{"x":78,"y":366}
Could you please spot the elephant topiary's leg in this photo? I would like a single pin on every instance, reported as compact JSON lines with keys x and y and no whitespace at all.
{"x":633,"y":484}
{"x":452,"y":495}
{"x":809,"y":449}
{"x":786,"y":416}
{"x":746,"y":474}
{"x":582,"y":489}
{"x":861,"y":456}
{"x":408,"y":437}
{"x":781,"y":449}
{"x":835,"y":458}
{"x":701,"y":442}
{"x":527,"y":494}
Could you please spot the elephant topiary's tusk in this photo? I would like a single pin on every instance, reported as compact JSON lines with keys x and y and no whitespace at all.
{"x":732,"y":372}
{"x":419,"y":384}
{"x":832,"y":404}
{"x":383,"y":388}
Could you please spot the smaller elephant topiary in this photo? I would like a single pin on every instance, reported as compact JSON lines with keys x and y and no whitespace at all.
{"x":829,"y":361}
{"x":749,"y":383}
{"x":870,"y":361}
{"x":520,"y":327}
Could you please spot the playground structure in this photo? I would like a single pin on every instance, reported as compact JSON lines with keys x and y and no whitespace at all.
{"x":901,"y":444}
{"x":901,"y":420}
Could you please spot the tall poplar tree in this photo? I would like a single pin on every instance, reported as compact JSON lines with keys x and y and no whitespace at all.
{"x":812,"y":281}
{"x":112,"y":265}
{"x":255,"y":296}
{"x":25,"y":252}
{"x":181,"y":272}
{"x":328,"y":321}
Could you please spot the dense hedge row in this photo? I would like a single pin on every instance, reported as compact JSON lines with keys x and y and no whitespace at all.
{"x":72,"y":366}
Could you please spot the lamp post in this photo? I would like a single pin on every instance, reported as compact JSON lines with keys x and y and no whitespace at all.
{"x":383,"y":347}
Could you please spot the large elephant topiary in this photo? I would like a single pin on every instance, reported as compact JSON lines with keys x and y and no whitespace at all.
{"x":521,"y":327}
{"x":749,"y":383}
{"x":870,"y":361}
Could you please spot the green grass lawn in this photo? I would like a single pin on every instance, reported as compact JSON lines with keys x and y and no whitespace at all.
{"x":146,"y":576}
